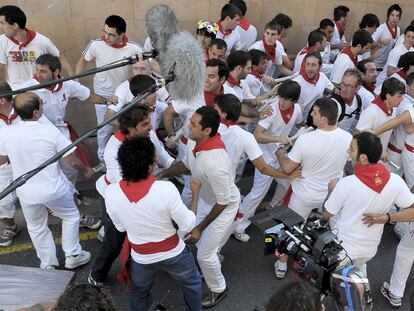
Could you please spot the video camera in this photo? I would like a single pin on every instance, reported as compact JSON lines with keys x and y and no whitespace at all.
{"x":316,"y":251}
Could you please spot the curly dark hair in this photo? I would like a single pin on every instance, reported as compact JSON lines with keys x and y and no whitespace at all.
{"x":135,"y":156}
{"x":85,"y":297}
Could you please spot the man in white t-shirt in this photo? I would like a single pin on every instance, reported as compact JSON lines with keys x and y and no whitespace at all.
{"x":348,"y":57}
{"x":112,"y":46}
{"x":387,"y":34}
{"x":316,"y":43}
{"x":258,"y":82}
{"x":338,"y":40}
{"x":285,"y":23}
{"x":391,"y":65}
{"x":247,"y":31}
{"x":372,"y":189}
{"x":20,"y":47}
{"x":229,"y":20}
{"x":322,"y":156}
{"x":369,"y":76}
{"x":370,"y":23}
{"x":27,"y":145}
{"x":327,"y":26}
{"x":135,"y":208}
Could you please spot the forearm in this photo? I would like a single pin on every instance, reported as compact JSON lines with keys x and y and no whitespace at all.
{"x":248,"y":111}
{"x":263,"y":138}
{"x":405,"y":215}
{"x":214,"y":213}
{"x":194,"y":202}
{"x":284,"y":161}
{"x":65,"y":65}
{"x":168,"y":119}
{"x":285,"y":71}
{"x":109,"y":113}
{"x":271,"y":171}
{"x":174,"y":170}
{"x":96,"y":99}
{"x":80,"y":65}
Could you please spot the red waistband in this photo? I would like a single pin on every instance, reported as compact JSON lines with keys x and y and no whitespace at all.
{"x":156,"y":247}
{"x":409,"y":148}
{"x":184,"y":140}
{"x":107,"y":180}
{"x":393,"y":148}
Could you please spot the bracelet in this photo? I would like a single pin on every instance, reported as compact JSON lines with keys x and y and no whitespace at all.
{"x":389,"y":218}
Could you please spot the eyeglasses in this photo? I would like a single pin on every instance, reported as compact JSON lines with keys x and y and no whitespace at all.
{"x":209,"y":26}
{"x":347,"y":86}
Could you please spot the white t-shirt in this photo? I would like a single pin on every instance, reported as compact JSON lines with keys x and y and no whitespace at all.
{"x":351,"y":198}
{"x":400,"y":40}
{"x":239,"y":142}
{"x":258,"y":45}
{"x":335,"y":40}
{"x":322,"y":156}
{"x":298,"y":61}
{"x":28,"y":144}
{"x":398,"y":134}
{"x":275,"y":125}
{"x":151,"y":218}
{"x":233,"y":40}
{"x":373,"y":117}
{"x":256,"y":86}
{"x":241,"y":93}
{"x":409,"y":138}
{"x":247,"y":37}
{"x":366,"y":96}
{"x":106,"y":82}
{"x":382,"y":32}
{"x":341,"y":64}
{"x":392,"y":61}
{"x":21,"y":62}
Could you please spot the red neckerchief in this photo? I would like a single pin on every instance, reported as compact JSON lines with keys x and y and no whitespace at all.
{"x":306,"y":50}
{"x":210,"y":143}
{"x":341,"y":28}
{"x":256,"y":74}
{"x":393,"y":32}
{"x":348,"y":51}
{"x":225,"y":33}
{"x":52,"y":88}
{"x":375,"y":176}
{"x":206,"y":54}
{"x":347,"y":101}
{"x":124,"y":42}
{"x":287,"y":114}
{"x":244,"y":23}
{"x":369,"y":86}
{"x":228,"y":123}
{"x":210,"y":97}
{"x":8,"y":119}
{"x":270,"y":50}
{"x":233,"y":81}
{"x":378,"y":101}
{"x":305,"y":77}
{"x":120,"y":136}
{"x":402,"y":74}
{"x":30,"y":36}
{"x":135,"y":191}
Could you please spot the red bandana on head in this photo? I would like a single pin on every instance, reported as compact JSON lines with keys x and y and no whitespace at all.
{"x":375,"y":176}
{"x":228,"y":123}
{"x":341,"y":28}
{"x":30,"y":36}
{"x":392,"y":31}
{"x":53,"y":88}
{"x":225,"y":33}
{"x":233,"y":81}
{"x":256,"y":74}
{"x":8,"y":119}
{"x":210,"y":143}
{"x":347,"y":51}
{"x":210,"y":97}
{"x":244,"y":23}
{"x":378,"y":101}
{"x":402,"y":74}
{"x":120,"y":136}
{"x":305,"y":77}
{"x":123,"y":42}
{"x":270,"y":50}
{"x":287,"y":114}
{"x":135,"y":191}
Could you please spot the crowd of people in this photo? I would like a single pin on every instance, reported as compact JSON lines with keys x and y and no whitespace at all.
{"x":333,"y":125}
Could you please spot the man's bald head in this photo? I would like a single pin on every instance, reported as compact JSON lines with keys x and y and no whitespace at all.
{"x":26,"y":104}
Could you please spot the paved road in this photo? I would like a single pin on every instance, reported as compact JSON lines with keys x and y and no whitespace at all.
{"x":249,"y":274}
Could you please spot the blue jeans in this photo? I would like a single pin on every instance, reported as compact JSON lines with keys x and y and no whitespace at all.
{"x":182,"y":268}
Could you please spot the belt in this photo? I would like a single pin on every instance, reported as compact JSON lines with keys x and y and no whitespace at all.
{"x":393,"y":148}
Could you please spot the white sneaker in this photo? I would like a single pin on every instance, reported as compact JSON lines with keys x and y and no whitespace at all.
{"x":101,"y":234}
{"x":241,"y":236}
{"x":72,"y":262}
{"x":280,"y":269}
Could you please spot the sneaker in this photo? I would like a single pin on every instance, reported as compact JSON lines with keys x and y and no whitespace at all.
{"x":395,"y":301}
{"x":7,"y":236}
{"x":50,"y":267}
{"x":280,"y":270}
{"x":241,"y":236}
{"x":89,"y":222}
{"x":221,"y":257}
{"x":92,"y":281}
{"x":101,"y":234}
{"x":72,"y":262}
{"x":213,"y":299}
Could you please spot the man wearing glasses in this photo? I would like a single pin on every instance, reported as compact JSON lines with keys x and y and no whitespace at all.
{"x":112,"y":46}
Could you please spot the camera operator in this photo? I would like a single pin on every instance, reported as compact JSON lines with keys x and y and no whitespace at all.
{"x":371,"y":189}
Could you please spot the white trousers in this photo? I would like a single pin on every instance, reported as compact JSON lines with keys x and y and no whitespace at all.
{"x":261,"y":185}
{"x":36,"y":216}
{"x":403,"y":262}
{"x":408,"y":165}
{"x":360,"y":263}
{"x":303,"y":207}
{"x":396,"y":158}
{"x":7,"y":204}
{"x":209,"y":243}
{"x":105,"y":132}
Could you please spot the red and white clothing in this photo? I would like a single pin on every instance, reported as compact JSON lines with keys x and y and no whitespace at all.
{"x":384,"y":31}
{"x":367,"y":95}
{"x":232,"y":37}
{"x":392,"y":61}
{"x":344,"y":61}
{"x":256,"y":85}
{"x":247,"y":32}
{"x":408,"y":150}
{"x":217,"y":187}
{"x":20,"y":58}
{"x":29,"y":144}
{"x":273,"y":61}
{"x":322,"y":156}
{"x":352,"y":197}
{"x":338,"y":37}
{"x":241,"y":89}
{"x":144,"y":209}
